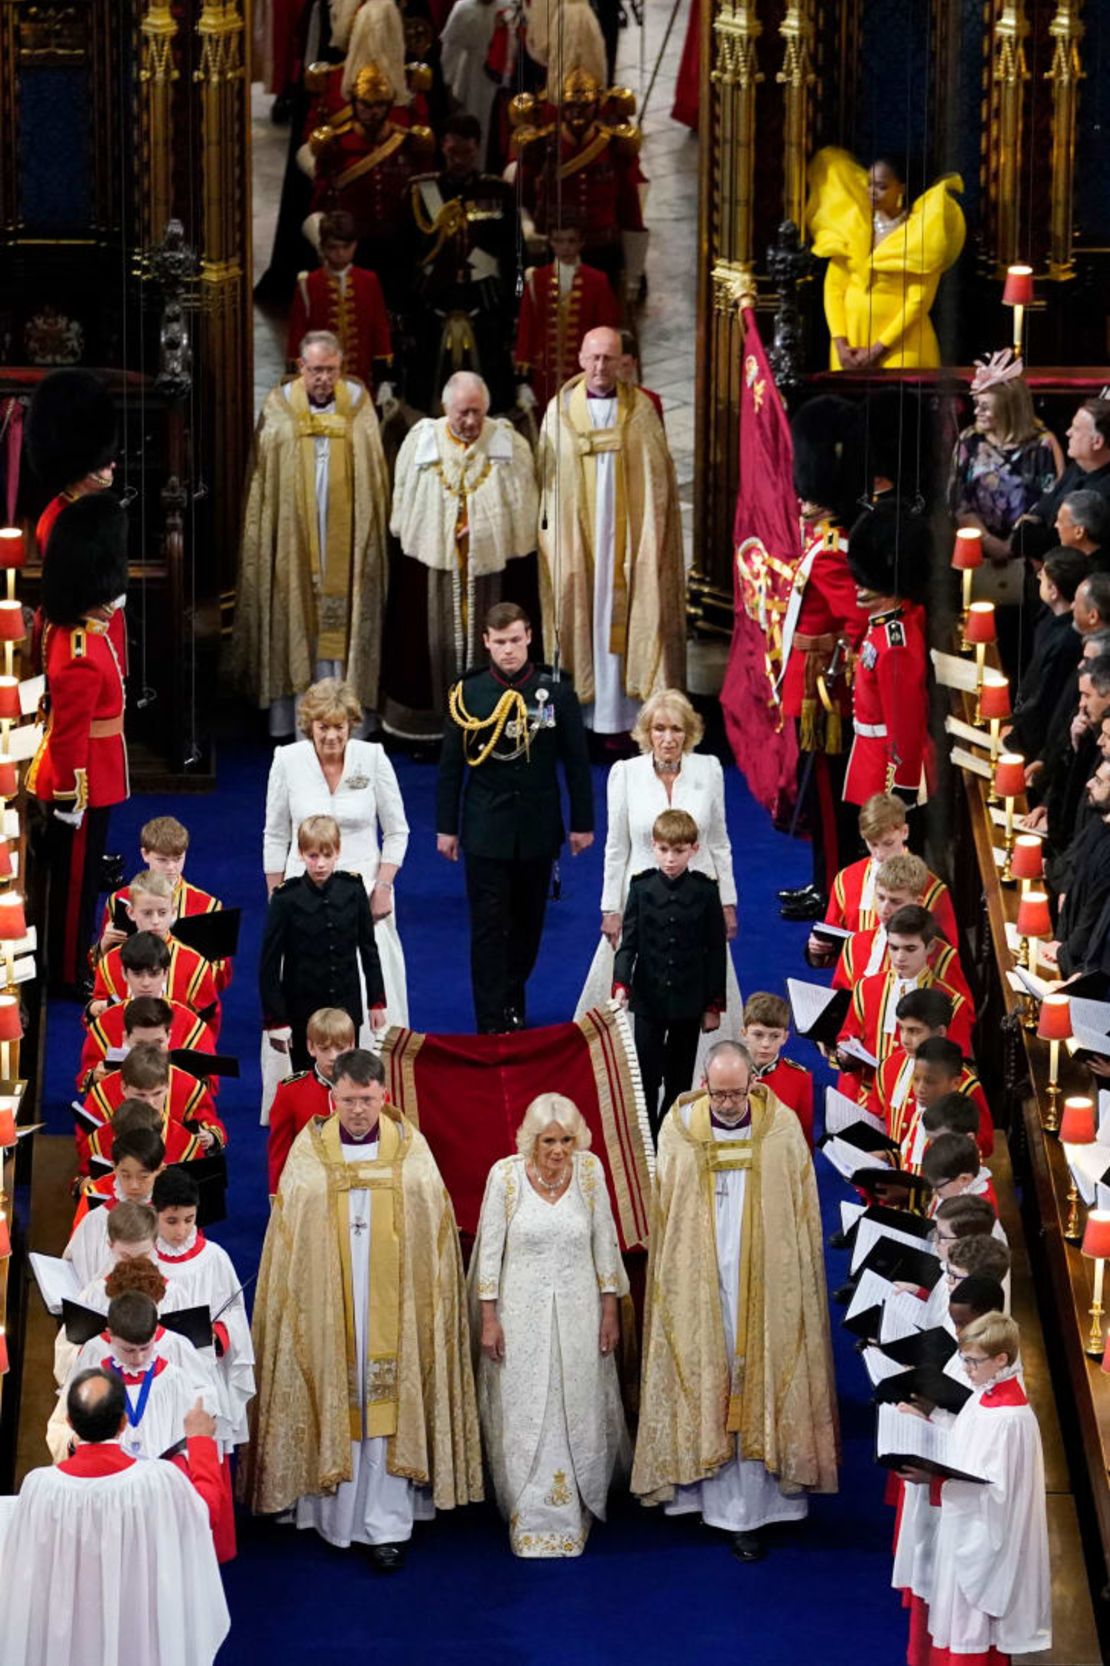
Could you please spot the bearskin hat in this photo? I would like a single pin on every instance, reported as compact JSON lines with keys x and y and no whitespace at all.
{"x":900,"y":438}
{"x":85,"y":565}
{"x":828,"y":456}
{"x":889,"y":551}
{"x":71,"y":428}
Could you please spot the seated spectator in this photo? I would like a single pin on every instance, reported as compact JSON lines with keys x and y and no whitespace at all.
{"x":1083,"y":524}
{"x":1088,"y":468}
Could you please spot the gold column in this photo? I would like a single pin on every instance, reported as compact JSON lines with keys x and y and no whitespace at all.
{"x":726,"y":272}
{"x":224,"y":245}
{"x":796,"y":77}
{"x":1066,"y":73}
{"x":1009,"y":75}
{"x":157,"y":74}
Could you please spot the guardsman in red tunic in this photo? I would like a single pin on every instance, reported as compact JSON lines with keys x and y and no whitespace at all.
{"x":298,"y":1099}
{"x":823,"y":624}
{"x":80,"y":768}
{"x":889,"y":559}
{"x":346,"y":300}
{"x":586,"y":165}
{"x":365,"y":166}
{"x":561,"y":303}
{"x":766,"y":1027}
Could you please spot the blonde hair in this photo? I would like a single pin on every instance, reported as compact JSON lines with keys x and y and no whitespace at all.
{"x":328,"y":701}
{"x":881,"y":813}
{"x":545,"y":1109}
{"x":131,"y":1223}
{"x":670,"y":700}
{"x":165,"y":836}
{"x":151,"y":884}
{"x":330,"y":1027}
{"x":906,"y":874}
{"x":995,"y":1333}
{"x":1013,"y":419}
{"x":318,"y":833}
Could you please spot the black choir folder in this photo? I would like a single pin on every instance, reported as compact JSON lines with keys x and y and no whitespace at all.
{"x":927,"y":1383}
{"x":905,"y":1441}
{"x":215,"y":935}
{"x":818,"y":1012}
{"x":83,"y":1323}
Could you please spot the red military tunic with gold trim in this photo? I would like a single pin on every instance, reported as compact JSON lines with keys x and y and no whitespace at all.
{"x":298,"y":1099}
{"x":892,"y":1098}
{"x":553,"y":321}
{"x":81,"y":762}
{"x":858,"y":961}
{"x":592,"y":182}
{"x":190,"y":979}
{"x":793,"y":1084}
{"x":369,"y":177}
{"x":188,"y":1104}
{"x":852,"y":900}
{"x":828,"y":608}
{"x":108,"y":1032}
{"x":891,"y":706}
{"x":871,"y":1015}
{"x":350,"y":304}
{"x":117,"y":625}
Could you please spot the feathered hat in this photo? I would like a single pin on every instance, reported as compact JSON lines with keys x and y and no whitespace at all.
{"x":71,"y":428}
{"x":85,"y":564}
{"x":889,"y":551}
{"x":377,"y":42}
{"x":1004,"y":366}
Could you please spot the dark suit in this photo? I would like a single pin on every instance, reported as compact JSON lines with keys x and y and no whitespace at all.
{"x":1057,"y":647}
{"x":672,"y":959}
{"x":1088,"y":894}
{"x":1038,"y":536}
{"x":316,"y":938}
{"x":511,"y":825}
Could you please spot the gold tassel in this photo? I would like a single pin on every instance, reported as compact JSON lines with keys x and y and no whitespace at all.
{"x":834,"y":737}
{"x":807,"y":728}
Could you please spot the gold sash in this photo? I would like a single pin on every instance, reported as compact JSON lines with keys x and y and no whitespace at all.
{"x":739,"y":1154}
{"x":331,"y":568}
{"x":590,"y":441}
{"x":589,"y":153}
{"x":381,"y":1176}
{"x":367,"y":163}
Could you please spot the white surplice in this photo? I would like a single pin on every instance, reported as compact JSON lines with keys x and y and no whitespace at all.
{"x":161,"y":1418}
{"x":207,"y":1278}
{"x":95,"y":1296}
{"x":110,"y":1570}
{"x":197,"y":1365}
{"x":742,"y":1496}
{"x":635,"y":796}
{"x":373,"y":1507}
{"x":551,"y":1412}
{"x":611,"y":712}
{"x":991,"y":1581}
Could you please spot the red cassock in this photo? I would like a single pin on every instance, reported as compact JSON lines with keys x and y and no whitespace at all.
{"x":298,"y":1099}
{"x":107,"y":1032}
{"x":181,"y":1145}
{"x":852,"y":899}
{"x":855,"y":959}
{"x":81,"y":762}
{"x":352,"y":307}
{"x":593,"y":182}
{"x":551,"y":326}
{"x":190,"y":979}
{"x":892,"y":1098}
{"x":200,"y":1464}
{"x":891,"y":707}
{"x":870,"y":1018}
{"x":828,"y":610}
{"x":187,"y":1101}
{"x":793,"y":1084}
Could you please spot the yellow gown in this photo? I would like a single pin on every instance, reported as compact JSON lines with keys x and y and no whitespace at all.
{"x":881,"y":293}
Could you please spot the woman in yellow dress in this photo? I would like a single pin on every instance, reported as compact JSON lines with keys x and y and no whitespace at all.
{"x":885,"y":258}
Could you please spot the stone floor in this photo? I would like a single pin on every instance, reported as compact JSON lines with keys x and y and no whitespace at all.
{"x":670,"y":161}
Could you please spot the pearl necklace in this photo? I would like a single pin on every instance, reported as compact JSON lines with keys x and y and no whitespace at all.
{"x":551,"y":1187}
{"x":664,"y":766}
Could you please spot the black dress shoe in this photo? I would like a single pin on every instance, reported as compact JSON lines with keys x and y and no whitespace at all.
{"x":748,"y":1547}
{"x":792,"y":892}
{"x":838,"y":1240}
{"x":514,"y":1020}
{"x":387,"y":1558}
{"x":843,"y":1294}
{"x":803,"y":908}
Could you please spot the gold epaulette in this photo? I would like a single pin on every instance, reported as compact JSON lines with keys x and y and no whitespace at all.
{"x":79,"y":642}
{"x":522,"y":137}
{"x":316,"y":77}
{"x":421,"y":140}
{"x":626,"y":138}
{"x":322,"y":137}
{"x":419,"y":77}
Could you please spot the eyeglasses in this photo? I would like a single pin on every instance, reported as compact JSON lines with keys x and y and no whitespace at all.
{"x":357,"y":1101}
{"x":727,"y":1096}
{"x":974,"y":1359}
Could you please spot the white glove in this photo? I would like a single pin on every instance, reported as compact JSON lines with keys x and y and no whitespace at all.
{"x":279,"y":1038}
{"x":72,"y":818}
{"x":385,"y":394}
{"x":525,"y":398}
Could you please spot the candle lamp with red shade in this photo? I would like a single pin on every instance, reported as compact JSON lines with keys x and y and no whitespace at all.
{"x":1096,"y":1245}
{"x":1033,"y":922}
{"x":1027,"y":861}
{"x":967,"y":554}
{"x":980,"y":630}
{"x":1077,"y":1127}
{"x":1018,"y":293}
{"x":994,"y":708}
{"x":1054,"y":1026}
{"x":1009,"y":783}
{"x":12,"y":630}
{"x":13,"y":554}
{"x":11,"y":1033}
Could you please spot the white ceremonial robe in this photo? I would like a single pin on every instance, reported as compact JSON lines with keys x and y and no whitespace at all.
{"x":197,"y":1367}
{"x":463,"y":45}
{"x":112,"y":1570}
{"x":88,"y":1244}
{"x":918,"y":1525}
{"x":96,"y":1297}
{"x":161,"y":1421}
{"x":741,"y":1496}
{"x":552,"y":1419}
{"x":373,"y":1507}
{"x":207,"y":1278}
{"x":611,"y":712}
{"x":635,"y":796}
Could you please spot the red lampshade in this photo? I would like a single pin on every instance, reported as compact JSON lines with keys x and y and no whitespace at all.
{"x":13,"y":924}
{"x":994,"y":698}
{"x":1054,"y":1022}
{"x":12,"y":628}
{"x":1009,"y":775}
{"x":980,"y":623}
{"x":1077,"y":1125}
{"x":12,"y":550}
{"x":11,"y":1029}
{"x":1033,"y":918}
{"x":1019,"y":286}
{"x":9,"y":699}
{"x":1027,"y":859}
{"x":967,"y":551}
{"x":1096,"y":1237}
{"x":1106,"y":1357}
{"x":7,"y":1126}
{"x":9,"y":778}
{"x":7,"y":867}
{"x":5,"y":1237}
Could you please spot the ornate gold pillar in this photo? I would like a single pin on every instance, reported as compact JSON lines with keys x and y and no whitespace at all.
{"x":224,"y":246}
{"x":726,"y":272}
{"x":1065,"y":75}
{"x":1009,"y":75}
{"x":157,"y":74}
{"x":796,"y":77}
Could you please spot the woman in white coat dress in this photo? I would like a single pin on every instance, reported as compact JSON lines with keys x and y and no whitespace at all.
{"x":668,"y":775}
{"x":330,"y":773}
{"x":545,"y":1278}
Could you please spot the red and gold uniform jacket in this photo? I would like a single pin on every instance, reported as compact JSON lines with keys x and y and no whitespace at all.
{"x":351,"y":305}
{"x":892,"y":1098}
{"x":190,"y":979}
{"x":890,"y":749}
{"x":188,"y":1103}
{"x":856,"y":956}
{"x":794,"y":1085}
{"x":852,"y":900}
{"x":187,"y":901}
{"x":81,"y":762}
{"x":822,"y":608}
{"x":107,"y":1032}
{"x":298,"y":1099}
{"x":551,"y":325}
{"x":870,"y":1018}
{"x":594,"y":181}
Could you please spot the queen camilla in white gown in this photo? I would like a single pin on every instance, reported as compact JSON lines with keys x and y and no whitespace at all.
{"x":552,"y":1421}
{"x":637,"y":793}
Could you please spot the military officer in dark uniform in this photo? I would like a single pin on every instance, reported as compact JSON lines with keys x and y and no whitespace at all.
{"x":510,"y":727}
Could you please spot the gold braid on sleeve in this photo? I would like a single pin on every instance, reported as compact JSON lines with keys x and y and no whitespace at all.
{"x":510,"y":705}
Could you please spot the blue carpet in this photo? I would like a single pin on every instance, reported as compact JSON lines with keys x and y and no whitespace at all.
{"x":646,"y":1590}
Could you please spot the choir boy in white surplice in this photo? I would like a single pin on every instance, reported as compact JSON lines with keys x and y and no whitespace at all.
{"x":110,"y":1560}
{"x":205,"y":1275}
